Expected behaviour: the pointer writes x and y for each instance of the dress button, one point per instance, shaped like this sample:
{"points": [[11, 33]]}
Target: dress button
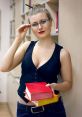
{"points": [[35, 75]]}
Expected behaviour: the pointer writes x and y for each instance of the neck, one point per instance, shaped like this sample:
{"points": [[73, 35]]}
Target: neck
{"points": [[47, 42]]}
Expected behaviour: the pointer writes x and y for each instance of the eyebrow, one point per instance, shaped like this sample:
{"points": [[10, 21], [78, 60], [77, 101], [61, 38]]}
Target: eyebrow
{"points": [[40, 20]]}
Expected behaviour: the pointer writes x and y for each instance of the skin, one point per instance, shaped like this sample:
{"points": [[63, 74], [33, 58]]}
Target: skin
{"points": [[45, 47]]}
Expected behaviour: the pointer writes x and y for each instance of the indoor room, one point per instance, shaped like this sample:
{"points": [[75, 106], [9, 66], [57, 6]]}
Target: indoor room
{"points": [[65, 29]]}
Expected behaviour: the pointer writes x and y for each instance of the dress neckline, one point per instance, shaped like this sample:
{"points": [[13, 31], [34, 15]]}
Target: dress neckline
{"points": [[50, 58]]}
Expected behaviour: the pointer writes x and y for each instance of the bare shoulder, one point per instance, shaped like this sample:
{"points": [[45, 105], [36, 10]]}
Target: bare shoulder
{"points": [[64, 55], [25, 45], [21, 50]]}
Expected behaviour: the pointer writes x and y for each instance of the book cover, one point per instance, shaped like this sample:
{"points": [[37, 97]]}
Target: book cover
{"points": [[46, 101], [38, 91]]}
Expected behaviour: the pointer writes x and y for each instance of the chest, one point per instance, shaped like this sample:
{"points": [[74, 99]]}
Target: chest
{"points": [[44, 60], [40, 56]]}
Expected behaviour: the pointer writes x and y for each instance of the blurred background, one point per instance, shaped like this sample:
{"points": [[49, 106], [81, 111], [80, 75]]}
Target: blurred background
{"points": [[66, 30]]}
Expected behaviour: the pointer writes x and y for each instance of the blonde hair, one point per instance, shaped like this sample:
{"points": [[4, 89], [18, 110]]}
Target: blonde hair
{"points": [[39, 8]]}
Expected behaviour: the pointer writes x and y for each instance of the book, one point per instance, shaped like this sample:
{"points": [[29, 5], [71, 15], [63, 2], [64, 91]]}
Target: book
{"points": [[43, 102], [38, 91]]}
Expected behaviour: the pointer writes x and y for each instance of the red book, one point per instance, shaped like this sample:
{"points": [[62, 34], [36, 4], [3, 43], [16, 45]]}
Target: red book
{"points": [[38, 91]]}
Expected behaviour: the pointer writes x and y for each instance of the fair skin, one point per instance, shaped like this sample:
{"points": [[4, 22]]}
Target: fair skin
{"points": [[45, 47]]}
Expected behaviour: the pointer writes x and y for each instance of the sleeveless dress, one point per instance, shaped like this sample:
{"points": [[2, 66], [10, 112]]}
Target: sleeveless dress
{"points": [[48, 72]]}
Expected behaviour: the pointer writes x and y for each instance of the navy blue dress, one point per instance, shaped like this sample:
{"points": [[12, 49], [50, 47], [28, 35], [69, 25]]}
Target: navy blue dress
{"points": [[48, 72]]}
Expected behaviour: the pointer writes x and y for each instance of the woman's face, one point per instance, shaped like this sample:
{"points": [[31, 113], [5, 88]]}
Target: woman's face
{"points": [[41, 25]]}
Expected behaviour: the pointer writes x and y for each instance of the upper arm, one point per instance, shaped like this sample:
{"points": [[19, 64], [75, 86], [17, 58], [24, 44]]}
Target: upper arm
{"points": [[19, 55], [66, 66]]}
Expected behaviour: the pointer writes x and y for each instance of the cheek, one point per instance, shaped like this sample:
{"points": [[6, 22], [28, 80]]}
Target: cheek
{"points": [[34, 31], [48, 28]]}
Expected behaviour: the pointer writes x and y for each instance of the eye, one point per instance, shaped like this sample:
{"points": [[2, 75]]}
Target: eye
{"points": [[43, 21], [35, 24]]}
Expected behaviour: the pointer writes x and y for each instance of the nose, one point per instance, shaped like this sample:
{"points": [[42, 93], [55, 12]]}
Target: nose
{"points": [[39, 26]]}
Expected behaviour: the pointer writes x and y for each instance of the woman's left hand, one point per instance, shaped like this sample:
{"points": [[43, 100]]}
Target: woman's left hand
{"points": [[52, 85]]}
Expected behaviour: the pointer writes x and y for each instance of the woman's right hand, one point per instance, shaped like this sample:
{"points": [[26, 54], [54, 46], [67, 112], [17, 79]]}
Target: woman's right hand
{"points": [[22, 30]]}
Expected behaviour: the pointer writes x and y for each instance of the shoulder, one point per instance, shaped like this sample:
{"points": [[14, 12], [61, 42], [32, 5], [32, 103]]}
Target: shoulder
{"points": [[26, 44], [64, 55], [63, 51]]}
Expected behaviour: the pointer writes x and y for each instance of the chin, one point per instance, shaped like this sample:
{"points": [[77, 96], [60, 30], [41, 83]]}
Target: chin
{"points": [[42, 36]]}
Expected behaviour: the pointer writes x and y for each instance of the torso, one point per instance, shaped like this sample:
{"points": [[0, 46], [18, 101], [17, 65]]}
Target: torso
{"points": [[39, 57], [42, 62]]}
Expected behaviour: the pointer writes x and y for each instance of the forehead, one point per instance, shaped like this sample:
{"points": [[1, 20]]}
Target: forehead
{"points": [[37, 17]]}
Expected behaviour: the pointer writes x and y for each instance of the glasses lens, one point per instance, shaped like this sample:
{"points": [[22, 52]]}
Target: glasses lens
{"points": [[35, 24], [42, 22]]}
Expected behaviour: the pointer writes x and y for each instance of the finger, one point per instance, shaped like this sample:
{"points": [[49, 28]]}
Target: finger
{"points": [[28, 25], [25, 26], [25, 29], [22, 27], [48, 85]]}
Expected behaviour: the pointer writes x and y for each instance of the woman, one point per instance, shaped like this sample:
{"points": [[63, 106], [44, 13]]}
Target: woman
{"points": [[42, 60]]}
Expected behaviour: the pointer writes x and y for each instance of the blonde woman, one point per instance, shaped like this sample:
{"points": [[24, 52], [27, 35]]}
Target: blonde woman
{"points": [[41, 60]]}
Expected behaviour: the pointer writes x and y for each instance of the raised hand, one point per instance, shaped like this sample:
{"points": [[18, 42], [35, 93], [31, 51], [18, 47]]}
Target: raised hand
{"points": [[22, 30]]}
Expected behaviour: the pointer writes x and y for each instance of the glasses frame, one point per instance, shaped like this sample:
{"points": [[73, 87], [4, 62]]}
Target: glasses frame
{"points": [[42, 22]]}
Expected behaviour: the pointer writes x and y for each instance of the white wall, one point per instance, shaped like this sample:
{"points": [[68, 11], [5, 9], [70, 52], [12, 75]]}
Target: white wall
{"points": [[5, 25], [70, 36]]}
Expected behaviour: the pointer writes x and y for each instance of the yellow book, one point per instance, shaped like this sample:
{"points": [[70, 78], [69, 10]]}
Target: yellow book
{"points": [[42, 102]]}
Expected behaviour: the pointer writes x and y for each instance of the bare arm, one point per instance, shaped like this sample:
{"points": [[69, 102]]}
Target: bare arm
{"points": [[66, 73], [15, 53]]}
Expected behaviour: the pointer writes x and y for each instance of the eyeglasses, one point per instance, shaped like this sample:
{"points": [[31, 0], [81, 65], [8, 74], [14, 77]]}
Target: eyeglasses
{"points": [[41, 22]]}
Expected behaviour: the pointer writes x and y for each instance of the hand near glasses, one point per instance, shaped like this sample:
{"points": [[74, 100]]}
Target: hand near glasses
{"points": [[22, 30]]}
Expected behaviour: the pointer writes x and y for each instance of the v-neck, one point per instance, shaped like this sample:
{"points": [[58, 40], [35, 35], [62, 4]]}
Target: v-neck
{"points": [[46, 61]]}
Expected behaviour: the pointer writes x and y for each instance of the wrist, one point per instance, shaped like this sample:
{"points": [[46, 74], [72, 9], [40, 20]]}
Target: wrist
{"points": [[54, 86], [18, 39]]}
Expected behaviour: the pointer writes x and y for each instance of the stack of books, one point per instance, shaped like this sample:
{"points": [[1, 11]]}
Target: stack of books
{"points": [[40, 94]]}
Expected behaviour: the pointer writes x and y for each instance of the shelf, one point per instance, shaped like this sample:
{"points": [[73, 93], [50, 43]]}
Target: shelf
{"points": [[44, 1], [55, 38], [39, 2], [54, 34], [53, 1]]}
